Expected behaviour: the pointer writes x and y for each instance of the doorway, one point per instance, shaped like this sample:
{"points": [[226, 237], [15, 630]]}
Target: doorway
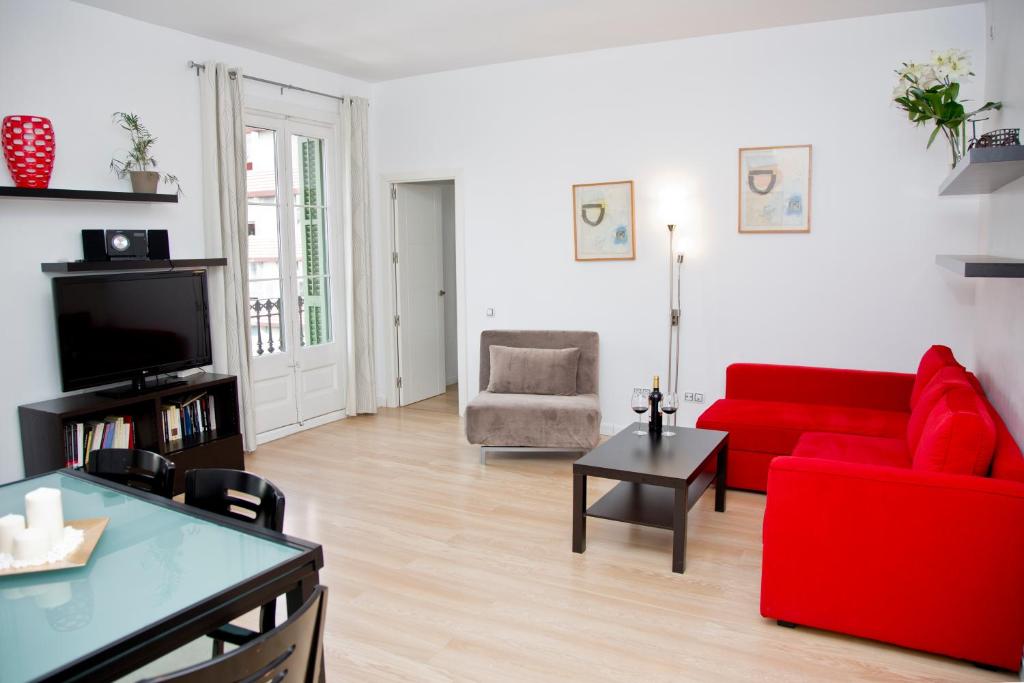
{"points": [[425, 282], [295, 315]]}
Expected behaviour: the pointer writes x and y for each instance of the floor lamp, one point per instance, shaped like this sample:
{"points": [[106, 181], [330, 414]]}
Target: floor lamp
{"points": [[675, 271]]}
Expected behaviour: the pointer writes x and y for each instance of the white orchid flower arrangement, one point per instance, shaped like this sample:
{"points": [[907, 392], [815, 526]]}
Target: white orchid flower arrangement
{"points": [[930, 91]]}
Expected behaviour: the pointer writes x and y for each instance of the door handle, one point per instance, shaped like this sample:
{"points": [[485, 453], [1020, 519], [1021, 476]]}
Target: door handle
{"points": [[441, 293]]}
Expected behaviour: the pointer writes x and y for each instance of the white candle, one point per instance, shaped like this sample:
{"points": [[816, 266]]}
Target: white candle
{"points": [[31, 545], [9, 525], [43, 511]]}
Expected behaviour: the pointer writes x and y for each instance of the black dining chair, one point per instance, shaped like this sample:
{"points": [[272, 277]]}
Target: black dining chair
{"points": [[134, 467], [290, 653], [215, 490]]}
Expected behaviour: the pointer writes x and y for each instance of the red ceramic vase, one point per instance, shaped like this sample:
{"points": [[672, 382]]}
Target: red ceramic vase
{"points": [[29, 149]]}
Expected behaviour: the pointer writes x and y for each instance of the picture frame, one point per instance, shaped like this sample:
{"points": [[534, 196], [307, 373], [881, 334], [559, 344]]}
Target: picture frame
{"points": [[774, 193], [604, 221]]}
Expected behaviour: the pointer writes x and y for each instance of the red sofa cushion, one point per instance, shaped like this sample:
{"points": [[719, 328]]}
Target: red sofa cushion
{"points": [[946, 379], [827, 386], [959, 436], [933, 360], [1008, 461], [775, 427], [865, 450]]}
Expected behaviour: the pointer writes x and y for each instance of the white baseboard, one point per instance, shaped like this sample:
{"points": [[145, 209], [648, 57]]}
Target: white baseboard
{"points": [[288, 430], [608, 428]]}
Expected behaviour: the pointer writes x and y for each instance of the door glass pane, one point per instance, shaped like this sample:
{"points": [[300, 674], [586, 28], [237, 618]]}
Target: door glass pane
{"points": [[312, 266], [264, 243], [314, 311]]}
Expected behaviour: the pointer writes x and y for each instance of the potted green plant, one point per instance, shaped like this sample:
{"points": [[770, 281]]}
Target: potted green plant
{"points": [[139, 163], [930, 91]]}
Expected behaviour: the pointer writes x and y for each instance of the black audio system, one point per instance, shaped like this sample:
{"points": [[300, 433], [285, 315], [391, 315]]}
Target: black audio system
{"points": [[115, 245]]}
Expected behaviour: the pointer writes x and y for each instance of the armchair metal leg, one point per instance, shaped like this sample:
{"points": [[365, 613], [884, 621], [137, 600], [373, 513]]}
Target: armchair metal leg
{"points": [[526, 449]]}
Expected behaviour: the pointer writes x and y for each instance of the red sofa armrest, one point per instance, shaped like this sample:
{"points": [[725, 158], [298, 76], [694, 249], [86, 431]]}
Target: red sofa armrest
{"points": [[831, 386], [926, 560]]}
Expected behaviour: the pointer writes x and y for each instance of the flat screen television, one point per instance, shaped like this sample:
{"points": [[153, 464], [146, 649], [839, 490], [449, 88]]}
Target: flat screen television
{"points": [[112, 328]]}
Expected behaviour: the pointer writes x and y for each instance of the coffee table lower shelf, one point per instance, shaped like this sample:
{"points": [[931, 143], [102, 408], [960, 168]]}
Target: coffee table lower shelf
{"points": [[632, 503]]}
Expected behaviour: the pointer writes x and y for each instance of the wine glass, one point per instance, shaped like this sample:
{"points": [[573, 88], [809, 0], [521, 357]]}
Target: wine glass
{"points": [[640, 404], [669, 405]]}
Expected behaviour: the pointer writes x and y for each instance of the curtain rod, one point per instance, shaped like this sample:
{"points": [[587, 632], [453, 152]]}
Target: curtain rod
{"points": [[202, 67]]}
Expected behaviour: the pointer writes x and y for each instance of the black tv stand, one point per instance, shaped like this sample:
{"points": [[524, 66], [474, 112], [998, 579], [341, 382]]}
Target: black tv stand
{"points": [[139, 387], [44, 446]]}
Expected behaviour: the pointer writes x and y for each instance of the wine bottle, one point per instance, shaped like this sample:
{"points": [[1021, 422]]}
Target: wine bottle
{"points": [[654, 427]]}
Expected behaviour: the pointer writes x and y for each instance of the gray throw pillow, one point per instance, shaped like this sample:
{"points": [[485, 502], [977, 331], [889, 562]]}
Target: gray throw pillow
{"points": [[533, 371]]}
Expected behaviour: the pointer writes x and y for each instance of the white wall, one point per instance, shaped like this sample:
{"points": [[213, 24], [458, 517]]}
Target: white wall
{"points": [[451, 327], [77, 65], [861, 290], [999, 335]]}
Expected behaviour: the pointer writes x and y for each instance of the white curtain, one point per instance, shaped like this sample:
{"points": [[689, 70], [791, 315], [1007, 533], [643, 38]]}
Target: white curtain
{"points": [[225, 225], [362, 391]]}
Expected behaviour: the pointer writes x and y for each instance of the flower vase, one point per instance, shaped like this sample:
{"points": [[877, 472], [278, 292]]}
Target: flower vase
{"points": [[29, 149]]}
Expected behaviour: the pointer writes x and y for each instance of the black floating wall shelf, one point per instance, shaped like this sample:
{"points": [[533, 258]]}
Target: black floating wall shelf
{"points": [[981, 266], [92, 195], [984, 170], [104, 266]]}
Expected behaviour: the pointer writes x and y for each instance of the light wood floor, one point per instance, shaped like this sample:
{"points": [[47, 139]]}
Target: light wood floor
{"points": [[442, 569]]}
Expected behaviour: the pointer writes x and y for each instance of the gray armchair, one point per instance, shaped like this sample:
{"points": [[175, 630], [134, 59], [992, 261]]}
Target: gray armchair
{"points": [[536, 421]]}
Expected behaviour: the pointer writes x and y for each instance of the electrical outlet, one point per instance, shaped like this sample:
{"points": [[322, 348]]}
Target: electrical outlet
{"points": [[490, 312], [688, 396], [698, 398]]}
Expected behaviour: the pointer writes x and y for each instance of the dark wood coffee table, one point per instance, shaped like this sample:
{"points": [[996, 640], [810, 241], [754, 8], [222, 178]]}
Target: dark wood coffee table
{"points": [[661, 479]]}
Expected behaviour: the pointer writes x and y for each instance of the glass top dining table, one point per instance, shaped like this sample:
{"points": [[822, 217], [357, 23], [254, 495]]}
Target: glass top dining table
{"points": [[156, 563]]}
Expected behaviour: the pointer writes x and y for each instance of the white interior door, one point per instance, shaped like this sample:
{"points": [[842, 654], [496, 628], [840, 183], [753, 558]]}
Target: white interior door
{"points": [[419, 273], [297, 337]]}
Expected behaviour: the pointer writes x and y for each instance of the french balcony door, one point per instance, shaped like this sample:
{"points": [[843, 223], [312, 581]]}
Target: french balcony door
{"points": [[295, 302]]}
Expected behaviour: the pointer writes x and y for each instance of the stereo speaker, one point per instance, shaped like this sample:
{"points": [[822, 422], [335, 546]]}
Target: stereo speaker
{"points": [[159, 245], [94, 245]]}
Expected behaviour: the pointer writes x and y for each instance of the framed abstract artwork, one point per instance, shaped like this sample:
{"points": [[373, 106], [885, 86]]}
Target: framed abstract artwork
{"points": [[602, 221], [775, 189]]}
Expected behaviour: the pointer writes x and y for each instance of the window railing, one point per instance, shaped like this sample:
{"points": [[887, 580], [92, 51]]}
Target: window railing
{"points": [[265, 325]]}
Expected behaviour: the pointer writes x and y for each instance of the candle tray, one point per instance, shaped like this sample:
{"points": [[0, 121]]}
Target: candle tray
{"points": [[79, 557]]}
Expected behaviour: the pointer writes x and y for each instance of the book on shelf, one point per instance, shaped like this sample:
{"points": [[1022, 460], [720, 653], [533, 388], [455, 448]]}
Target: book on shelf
{"points": [[188, 416], [82, 438]]}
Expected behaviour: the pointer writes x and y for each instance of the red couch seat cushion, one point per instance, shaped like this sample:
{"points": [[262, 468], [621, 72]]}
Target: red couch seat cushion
{"points": [[775, 427], [933, 360], [865, 450], [958, 437]]}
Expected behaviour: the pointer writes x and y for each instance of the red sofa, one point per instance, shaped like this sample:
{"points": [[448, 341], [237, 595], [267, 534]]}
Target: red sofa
{"points": [[768, 407], [899, 515]]}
